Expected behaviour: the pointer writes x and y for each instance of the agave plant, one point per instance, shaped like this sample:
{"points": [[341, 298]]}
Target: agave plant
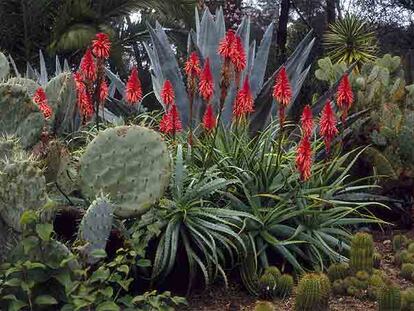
{"points": [[350, 40], [187, 221], [205, 41]]}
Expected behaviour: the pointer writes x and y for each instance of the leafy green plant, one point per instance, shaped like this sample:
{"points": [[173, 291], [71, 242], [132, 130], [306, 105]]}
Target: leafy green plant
{"points": [[350, 40], [188, 221]]}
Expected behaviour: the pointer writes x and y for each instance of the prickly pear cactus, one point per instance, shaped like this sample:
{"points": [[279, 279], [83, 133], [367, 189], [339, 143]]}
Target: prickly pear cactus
{"points": [[19, 115], [313, 293], [130, 164], [4, 67], [8, 147], [96, 226], [61, 95], [30, 85], [362, 252], [22, 187], [389, 298]]}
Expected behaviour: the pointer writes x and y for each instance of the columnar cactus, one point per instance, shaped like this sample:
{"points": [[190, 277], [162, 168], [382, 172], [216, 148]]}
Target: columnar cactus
{"points": [[338, 271], [22, 187], [362, 251], [96, 226], [19, 115], [313, 292], [130, 164], [389, 298], [284, 286]]}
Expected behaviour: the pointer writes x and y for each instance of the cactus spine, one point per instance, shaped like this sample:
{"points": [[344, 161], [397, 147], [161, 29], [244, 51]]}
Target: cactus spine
{"points": [[313, 293], [362, 252], [131, 164], [389, 298]]}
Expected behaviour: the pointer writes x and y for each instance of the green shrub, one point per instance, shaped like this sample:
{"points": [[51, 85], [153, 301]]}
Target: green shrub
{"points": [[362, 251], [313, 292], [407, 270], [389, 298], [338, 271]]}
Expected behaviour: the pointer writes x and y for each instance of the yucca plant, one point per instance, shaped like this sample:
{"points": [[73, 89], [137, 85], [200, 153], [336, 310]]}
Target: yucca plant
{"points": [[187, 221], [350, 40]]}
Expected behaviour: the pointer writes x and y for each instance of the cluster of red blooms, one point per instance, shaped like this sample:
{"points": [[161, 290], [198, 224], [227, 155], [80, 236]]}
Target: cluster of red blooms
{"points": [[282, 93], [40, 99], [91, 67], [170, 122], [327, 127], [133, 89]]}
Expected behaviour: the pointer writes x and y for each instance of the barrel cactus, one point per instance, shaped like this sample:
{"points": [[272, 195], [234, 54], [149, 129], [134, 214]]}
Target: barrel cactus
{"points": [[389, 298], [284, 286], [407, 270], [130, 164], [23, 187], [96, 226], [267, 285], [273, 271], [313, 292], [264, 306], [377, 260], [407, 299], [338, 271], [19, 115], [362, 251]]}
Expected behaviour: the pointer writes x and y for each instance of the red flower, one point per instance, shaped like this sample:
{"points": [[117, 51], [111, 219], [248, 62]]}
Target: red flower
{"points": [[307, 121], [133, 90], [209, 120], [88, 66], [304, 158], [170, 122], [282, 91], [244, 102], [40, 99], [344, 96], [103, 92], [77, 76], [101, 45], [167, 93], [206, 84], [327, 125], [238, 55], [226, 45], [85, 104], [192, 66]]}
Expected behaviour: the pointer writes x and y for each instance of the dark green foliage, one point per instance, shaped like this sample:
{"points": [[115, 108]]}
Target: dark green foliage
{"points": [[389, 298], [362, 251], [407, 270], [338, 271], [313, 292], [284, 285]]}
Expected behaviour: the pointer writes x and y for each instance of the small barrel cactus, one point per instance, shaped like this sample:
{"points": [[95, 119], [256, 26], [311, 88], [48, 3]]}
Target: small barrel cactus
{"points": [[362, 276], [338, 271], [338, 287], [362, 251], [264, 306], [313, 292], [284, 285], [399, 242], [377, 260], [407, 270], [130, 164], [273, 271], [389, 298], [267, 286], [403, 257], [410, 248], [407, 300]]}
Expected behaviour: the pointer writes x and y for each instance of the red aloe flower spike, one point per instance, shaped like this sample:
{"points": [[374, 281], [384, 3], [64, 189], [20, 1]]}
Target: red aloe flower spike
{"points": [[40, 99], [88, 66], [133, 90], [244, 102], [77, 76], [304, 158], [226, 44], [307, 121], [209, 119], [327, 125], [206, 84], [167, 93], [101, 45], [103, 92], [170, 122], [238, 55], [85, 105], [344, 96], [192, 66], [282, 91]]}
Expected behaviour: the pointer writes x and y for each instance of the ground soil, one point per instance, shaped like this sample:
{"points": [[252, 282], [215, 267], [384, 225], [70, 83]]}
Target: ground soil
{"points": [[235, 298]]}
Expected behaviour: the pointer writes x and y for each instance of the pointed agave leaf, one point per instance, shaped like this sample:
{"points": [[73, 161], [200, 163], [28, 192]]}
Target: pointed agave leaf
{"points": [[16, 71], [31, 73], [66, 66], [58, 67], [43, 72], [115, 80]]}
